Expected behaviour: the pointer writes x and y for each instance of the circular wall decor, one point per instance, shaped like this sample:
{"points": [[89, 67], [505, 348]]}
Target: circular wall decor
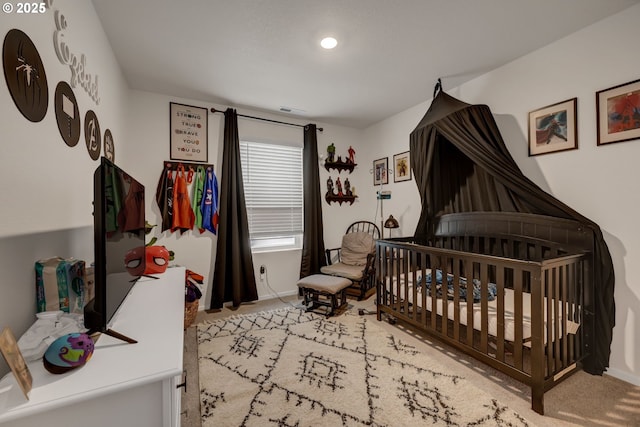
{"points": [[92, 134], [109, 147], [25, 75], [67, 114]]}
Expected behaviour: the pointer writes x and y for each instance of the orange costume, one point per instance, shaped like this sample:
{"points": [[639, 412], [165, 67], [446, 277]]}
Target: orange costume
{"points": [[183, 216]]}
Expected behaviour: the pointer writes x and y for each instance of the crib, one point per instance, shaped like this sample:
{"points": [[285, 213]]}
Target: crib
{"points": [[512, 290]]}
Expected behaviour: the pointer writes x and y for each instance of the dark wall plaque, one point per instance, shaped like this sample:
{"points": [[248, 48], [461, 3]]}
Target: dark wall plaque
{"points": [[25, 75], [92, 134], [67, 114]]}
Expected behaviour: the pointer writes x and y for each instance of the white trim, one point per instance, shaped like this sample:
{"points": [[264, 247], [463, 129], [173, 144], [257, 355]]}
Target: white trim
{"points": [[623, 376]]}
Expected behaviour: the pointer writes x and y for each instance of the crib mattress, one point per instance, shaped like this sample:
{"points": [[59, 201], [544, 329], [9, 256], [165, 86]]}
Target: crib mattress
{"points": [[492, 311]]}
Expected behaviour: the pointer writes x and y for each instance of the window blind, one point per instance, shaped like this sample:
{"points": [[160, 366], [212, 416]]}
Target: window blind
{"points": [[272, 177]]}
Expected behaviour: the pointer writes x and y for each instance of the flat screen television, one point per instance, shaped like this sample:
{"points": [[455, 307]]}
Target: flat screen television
{"points": [[119, 240]]}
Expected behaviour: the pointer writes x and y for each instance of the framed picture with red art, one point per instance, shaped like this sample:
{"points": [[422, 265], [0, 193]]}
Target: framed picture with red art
{"points": [[618, 111]]}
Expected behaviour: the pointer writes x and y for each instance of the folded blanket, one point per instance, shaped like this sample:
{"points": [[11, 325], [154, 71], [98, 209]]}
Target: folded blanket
{"points": [[492, 288]]}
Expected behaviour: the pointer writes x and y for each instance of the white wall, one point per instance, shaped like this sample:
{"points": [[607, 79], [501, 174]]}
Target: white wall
{"points": [[599, 182], [196, 251], [47, 186]]}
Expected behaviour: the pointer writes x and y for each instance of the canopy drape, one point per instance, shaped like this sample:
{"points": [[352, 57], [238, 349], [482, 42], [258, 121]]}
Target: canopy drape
{"points": [[461, 164], [233, 277]]}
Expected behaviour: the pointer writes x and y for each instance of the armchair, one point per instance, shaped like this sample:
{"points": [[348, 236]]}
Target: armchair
{"points": [[354, 259]]}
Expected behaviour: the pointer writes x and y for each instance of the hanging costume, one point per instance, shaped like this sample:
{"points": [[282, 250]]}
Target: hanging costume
{"points": [[209, 205], [164, 198], [131, 216], [113, 194], [198, 189], [183, 216]]}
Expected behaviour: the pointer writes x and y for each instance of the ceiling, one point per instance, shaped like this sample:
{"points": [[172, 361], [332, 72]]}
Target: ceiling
{"points": [[265, 54]]}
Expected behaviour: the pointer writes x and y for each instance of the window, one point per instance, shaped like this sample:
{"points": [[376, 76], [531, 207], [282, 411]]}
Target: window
{"points": [[272, 177]]}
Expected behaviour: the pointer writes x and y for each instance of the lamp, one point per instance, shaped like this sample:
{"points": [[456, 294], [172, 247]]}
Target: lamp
{"points": [[391, 222]]}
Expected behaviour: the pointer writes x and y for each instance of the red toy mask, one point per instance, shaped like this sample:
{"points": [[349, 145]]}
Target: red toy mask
{"points": [[145, 260]]}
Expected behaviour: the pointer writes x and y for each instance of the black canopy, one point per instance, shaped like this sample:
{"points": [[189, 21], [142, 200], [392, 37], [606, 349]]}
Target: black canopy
{"points": [[461, 164]]}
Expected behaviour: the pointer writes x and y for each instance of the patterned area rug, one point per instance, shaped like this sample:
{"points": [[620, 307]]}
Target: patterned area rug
{"points": [[291, 368]]}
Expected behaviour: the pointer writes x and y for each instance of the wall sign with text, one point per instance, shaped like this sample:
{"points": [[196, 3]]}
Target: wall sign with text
{"points": [[189, 133]]}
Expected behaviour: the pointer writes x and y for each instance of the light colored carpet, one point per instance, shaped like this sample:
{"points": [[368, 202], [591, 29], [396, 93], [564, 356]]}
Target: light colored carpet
{"points": [[581, 400], [291, 368]]}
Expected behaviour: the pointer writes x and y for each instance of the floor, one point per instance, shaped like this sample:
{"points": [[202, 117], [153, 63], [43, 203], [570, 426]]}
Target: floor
{"points": [[581, 400]]}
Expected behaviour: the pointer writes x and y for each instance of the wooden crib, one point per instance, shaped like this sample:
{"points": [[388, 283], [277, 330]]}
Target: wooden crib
{"points": [[528, 276]]}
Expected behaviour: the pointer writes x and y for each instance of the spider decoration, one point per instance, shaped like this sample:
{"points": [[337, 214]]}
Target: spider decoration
{"points": [[25, 75]]}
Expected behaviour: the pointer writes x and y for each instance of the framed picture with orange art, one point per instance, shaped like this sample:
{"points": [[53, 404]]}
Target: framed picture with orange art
{"points": [[618, 111], [401, 167]]}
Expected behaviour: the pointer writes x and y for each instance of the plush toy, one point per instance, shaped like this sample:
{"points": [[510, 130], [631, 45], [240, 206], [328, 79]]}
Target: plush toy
{"points": [[68, 352]]}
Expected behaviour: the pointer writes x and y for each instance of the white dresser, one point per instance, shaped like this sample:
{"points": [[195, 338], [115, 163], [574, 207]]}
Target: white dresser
{"points": [[123, 384]]}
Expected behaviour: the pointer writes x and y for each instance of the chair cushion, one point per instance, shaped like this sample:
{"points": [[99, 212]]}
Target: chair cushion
{"points": [[355, 248], [353, 272], [324, 283]]}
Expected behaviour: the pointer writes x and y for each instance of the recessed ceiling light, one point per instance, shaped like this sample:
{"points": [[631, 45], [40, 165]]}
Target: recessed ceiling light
{"points": [[329, 43]]}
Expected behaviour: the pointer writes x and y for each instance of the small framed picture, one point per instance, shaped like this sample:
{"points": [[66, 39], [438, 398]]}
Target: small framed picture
{"points": [[618, 113], [11, 353], [401, 167], [554, 128], [380, 169], [189, 133]]}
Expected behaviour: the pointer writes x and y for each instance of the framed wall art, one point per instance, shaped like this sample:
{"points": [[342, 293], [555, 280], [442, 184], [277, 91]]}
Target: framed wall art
{"points": [[618, 110], [380, 169], [554, 128], [12, 355], [401, 167], [189, 133]]}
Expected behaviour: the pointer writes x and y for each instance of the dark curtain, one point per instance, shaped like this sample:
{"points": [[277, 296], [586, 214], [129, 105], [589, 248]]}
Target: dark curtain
{"points": [[313, 240], [461, 164], [233, 277]]}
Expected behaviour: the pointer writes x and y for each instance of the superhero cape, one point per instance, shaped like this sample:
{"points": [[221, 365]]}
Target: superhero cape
{"points": [[198, 189], [164, 198], [183, 216], [209, 204], [131, 216]]}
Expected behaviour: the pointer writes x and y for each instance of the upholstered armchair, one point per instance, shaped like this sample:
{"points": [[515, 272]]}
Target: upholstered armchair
{"points": [[354, 259]]}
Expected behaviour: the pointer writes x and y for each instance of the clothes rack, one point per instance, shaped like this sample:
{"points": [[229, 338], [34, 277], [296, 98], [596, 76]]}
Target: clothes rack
{"points": [[173, 166]]}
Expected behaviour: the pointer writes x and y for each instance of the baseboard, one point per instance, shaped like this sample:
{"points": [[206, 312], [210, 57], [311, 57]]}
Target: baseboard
{"points": [[624, 376], [280, 294], [201, 307]]}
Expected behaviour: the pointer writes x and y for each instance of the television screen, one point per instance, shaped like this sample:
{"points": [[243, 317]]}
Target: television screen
{"points": [[119, 240]]}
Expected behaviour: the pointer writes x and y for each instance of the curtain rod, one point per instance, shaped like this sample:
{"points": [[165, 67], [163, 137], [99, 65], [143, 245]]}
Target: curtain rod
{"points": [[213, 110]]}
